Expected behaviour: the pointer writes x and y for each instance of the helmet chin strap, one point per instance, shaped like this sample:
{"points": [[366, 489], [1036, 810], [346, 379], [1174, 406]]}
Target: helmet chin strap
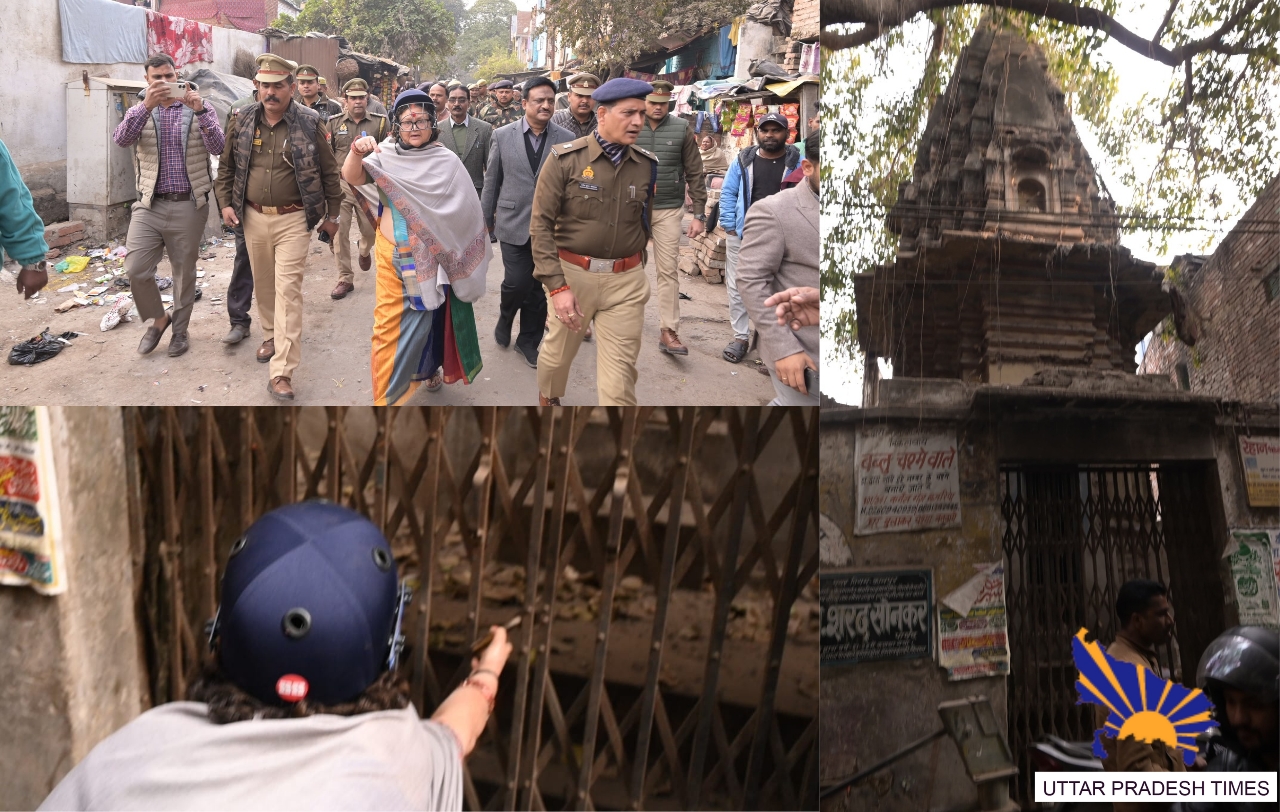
{"points": [[397, 637]]}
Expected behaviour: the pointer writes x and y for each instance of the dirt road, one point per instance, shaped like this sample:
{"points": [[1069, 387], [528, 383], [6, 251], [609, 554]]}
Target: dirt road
{"points": [[105, 368]]}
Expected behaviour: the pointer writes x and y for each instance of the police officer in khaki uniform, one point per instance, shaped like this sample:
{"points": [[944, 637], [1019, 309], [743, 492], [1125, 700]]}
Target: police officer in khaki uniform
{"points": [[589, 228], [343, 130], [279, 178], [579, 117], [504, 109], [310, 95]]}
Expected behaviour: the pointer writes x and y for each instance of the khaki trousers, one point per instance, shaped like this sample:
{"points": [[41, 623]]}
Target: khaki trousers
{"points": [[351, 211], [666, 251], [278, 245], [175, 226], [616, 302]]}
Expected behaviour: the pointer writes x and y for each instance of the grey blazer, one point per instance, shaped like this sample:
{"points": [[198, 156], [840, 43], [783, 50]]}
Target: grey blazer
{"points": [[508, 184], [474, 150], [780, 245]]}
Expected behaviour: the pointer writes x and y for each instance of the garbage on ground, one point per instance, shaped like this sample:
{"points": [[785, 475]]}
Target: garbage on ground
{"points": [[121, 282], [119, 312], [72, 265], [65, 306], [70, 288], [40, 348], [98, 291], [119, 252], [164, 282], [166, 297]]}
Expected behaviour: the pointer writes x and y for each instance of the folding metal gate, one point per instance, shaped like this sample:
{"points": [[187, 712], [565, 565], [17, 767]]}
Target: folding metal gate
{"points": [[705, 507], [1072, 536]]}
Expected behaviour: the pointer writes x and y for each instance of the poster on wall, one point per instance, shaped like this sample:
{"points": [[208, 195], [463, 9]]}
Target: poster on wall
{"points": [[907, 480], [1260, 458], [870, 615], [30, 536], [1253, 577], [973, 630]]}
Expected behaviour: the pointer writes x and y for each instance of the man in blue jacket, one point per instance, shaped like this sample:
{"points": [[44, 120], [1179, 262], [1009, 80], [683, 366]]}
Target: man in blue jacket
{"points": [[756, 174], [21, 230]]}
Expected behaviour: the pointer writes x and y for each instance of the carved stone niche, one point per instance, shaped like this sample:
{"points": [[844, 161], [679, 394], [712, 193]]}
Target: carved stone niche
{"points": [[1032, 186]]}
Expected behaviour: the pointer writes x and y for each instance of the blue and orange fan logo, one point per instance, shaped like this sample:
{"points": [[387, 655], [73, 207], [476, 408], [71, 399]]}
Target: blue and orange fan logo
{"points": [[1141, 704]]}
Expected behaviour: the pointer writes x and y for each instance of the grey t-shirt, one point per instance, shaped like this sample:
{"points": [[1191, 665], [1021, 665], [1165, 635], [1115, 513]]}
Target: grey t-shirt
{"points": [[173, 757]]}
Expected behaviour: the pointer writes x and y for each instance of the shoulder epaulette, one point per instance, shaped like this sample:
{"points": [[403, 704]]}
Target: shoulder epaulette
{"points": [[646, 153], [567, 147]]}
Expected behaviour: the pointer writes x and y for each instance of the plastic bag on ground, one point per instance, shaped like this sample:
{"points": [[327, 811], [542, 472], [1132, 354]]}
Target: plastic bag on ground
{"points": [[41, 348], [72, 265]]}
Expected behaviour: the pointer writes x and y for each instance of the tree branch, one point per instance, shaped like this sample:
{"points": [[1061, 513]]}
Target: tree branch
{"points": [[1168, 15], [887, 14], [833, 41]]}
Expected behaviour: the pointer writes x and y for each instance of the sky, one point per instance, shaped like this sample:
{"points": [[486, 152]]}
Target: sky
{"points": [[1137, 76]]}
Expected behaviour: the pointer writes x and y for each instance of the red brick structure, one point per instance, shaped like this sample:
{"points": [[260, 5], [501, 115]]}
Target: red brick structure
{"points": [[1224, 339], [805, 20]]}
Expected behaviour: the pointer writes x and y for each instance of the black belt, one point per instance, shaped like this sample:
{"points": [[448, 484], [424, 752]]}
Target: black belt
{"points": [[172, 196]]}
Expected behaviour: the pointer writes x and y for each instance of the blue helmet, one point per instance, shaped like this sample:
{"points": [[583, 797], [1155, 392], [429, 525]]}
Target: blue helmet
{"points": [[310, 606]]}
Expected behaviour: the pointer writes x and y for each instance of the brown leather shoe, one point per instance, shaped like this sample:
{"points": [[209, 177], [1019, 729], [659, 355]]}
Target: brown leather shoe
{"points": [[365, 262], [151, 338], [587, 336], [178, 344], [267, 350], [342, 289], [546, 401], [280, 388], [669, 343]]}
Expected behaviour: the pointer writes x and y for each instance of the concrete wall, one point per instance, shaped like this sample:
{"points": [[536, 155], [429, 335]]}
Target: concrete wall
{"points": [[33, 110], [1237, 352], [71, 669], [871, 710]]}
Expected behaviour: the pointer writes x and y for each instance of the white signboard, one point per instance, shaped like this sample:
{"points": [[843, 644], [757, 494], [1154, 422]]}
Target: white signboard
{"points": [[907, 480]]}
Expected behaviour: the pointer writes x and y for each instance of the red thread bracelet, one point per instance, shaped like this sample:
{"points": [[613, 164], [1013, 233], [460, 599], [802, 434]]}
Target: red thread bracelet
{"points": [[560, 289]]}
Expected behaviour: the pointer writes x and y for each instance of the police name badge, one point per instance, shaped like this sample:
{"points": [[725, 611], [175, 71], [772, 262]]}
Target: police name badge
{"points": [[589, 187]]}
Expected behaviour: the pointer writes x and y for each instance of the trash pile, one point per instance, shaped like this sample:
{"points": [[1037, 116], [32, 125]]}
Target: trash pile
{"points": [[96, 278]]}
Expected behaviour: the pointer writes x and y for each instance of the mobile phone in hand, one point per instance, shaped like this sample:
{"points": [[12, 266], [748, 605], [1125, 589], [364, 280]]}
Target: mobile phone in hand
{"points": [[811, 381], [176, 89]]}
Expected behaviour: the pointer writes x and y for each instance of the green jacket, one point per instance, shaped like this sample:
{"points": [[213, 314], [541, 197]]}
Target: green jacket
{"points": [[679, 162], [21, 229]]}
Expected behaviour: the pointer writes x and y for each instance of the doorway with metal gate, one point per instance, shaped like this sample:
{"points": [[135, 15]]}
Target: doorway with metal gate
{"points": [[662, 561], [1073, 534]]}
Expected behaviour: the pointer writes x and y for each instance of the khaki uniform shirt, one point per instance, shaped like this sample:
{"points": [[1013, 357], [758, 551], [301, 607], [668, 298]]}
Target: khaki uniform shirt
{"points": [[344, 130], [586, 205], [271, 180], [1131, 755]]}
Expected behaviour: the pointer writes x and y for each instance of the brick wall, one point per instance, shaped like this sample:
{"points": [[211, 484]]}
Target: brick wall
{"points": [[805, 23], [1237, 352]]}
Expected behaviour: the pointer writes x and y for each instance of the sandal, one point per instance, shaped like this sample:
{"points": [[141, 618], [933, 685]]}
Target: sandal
{"points": [[736, 351], [436, 381]]}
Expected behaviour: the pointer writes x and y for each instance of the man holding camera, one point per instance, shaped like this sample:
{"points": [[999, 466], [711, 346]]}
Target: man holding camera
{"points": [[175, 133]]}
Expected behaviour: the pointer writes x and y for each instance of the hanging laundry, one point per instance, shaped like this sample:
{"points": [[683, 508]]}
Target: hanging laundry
{"points": [[728, 52], [187, 41], [102, 31], [809, 59]]}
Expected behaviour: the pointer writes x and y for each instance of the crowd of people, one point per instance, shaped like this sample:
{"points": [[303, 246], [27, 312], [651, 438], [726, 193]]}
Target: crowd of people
{"points": [[574, 198]]}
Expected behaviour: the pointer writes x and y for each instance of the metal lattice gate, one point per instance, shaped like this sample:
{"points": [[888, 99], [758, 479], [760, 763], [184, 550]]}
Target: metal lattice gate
{"points": [[704, 697], [1072, 536]]}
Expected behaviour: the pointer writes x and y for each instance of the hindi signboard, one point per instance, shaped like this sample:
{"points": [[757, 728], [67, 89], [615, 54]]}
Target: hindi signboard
{"points": [[1253, 576], [1260, 457], [973, 639], [870, 615], [907, 480]]}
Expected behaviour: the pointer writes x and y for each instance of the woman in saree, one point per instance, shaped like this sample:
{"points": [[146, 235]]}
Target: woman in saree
{"points": [[431, 251]]}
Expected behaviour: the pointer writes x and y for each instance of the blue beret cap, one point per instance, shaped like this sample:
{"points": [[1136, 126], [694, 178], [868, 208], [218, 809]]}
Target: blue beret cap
{"points": [[621, 88], [501, 84]]}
